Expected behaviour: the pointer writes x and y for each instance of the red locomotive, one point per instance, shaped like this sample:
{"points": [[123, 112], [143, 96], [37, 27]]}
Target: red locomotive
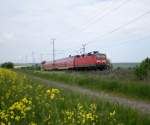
{"points": [[93, 60]]}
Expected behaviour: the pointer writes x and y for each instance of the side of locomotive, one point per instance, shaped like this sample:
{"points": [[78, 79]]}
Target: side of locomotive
{"points": [[93, 60]]}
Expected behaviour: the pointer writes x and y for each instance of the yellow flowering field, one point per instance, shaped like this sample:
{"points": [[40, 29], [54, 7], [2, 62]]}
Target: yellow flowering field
{"points": [[27, 102]]}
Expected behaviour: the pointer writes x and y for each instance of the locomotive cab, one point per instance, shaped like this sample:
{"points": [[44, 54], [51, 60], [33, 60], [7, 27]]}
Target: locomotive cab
{"points": [[100, 56], [101, 60]]}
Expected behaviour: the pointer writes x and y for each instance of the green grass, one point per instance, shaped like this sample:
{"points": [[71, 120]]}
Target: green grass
{"points": [[129, 88], [44, 110], [124, 65]]}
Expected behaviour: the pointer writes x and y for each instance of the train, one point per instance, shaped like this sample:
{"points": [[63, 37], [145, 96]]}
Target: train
{"points": [[90, 61]]}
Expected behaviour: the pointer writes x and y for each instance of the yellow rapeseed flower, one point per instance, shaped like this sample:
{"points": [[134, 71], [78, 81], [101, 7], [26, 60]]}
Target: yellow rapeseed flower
{"points": [[25, 100], [17, 118], [52, 93], [2, 123], [17, 111]]}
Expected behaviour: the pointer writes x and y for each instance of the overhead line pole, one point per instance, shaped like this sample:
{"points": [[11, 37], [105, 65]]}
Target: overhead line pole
{"points": [[33, 58], [53, 40], [83, 47], [41, 57]]}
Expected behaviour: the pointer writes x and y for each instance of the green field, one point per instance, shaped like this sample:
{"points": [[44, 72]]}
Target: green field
{"points": [[30, 102], [124, 65]]}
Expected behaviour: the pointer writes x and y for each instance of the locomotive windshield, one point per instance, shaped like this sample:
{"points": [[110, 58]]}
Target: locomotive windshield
{"points": [[100, 56]]}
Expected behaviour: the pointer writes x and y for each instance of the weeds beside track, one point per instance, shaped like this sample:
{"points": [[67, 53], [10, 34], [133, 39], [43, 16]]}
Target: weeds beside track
{"points": [[133, 89]]}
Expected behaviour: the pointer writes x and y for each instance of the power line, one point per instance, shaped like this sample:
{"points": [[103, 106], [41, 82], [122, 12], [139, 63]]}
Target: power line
{"points": [[110, 46], [106, 14], [92, 17], [121, 26], [98, 18], [125, 42]]}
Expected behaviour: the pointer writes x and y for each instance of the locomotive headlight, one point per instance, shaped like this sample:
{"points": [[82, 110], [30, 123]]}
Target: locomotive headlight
{"points": [[101, 61], [98, 61]]}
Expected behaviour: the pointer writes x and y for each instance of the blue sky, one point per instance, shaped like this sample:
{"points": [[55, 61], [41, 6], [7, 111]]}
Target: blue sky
{"points": [[27, 27]]}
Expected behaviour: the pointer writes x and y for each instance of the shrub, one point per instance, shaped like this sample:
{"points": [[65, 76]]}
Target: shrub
{"points": [[143, 69]]}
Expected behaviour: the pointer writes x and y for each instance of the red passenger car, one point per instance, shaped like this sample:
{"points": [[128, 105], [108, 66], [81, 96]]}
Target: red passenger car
{"points": [[93, 60]]}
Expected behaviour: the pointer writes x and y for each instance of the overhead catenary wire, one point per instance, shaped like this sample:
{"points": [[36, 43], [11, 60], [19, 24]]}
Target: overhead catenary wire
{"points": [[92, 17], [98, 17], [105, 14], [121, 26], [126, 42], [109, 46], [117, 44], [112, 10]]}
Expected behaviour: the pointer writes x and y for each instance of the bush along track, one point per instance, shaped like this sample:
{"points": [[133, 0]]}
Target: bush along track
{"points": [[29, 102]]}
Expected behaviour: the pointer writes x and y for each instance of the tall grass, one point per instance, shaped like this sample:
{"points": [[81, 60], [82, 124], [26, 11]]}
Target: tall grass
{"points": [[133, 89]]}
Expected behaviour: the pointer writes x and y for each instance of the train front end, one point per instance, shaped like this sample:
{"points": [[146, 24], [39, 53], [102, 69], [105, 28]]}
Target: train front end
{"points": [[101, 61]]}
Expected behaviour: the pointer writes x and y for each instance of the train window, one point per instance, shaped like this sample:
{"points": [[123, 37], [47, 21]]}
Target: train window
{"points": [[100, 56]]}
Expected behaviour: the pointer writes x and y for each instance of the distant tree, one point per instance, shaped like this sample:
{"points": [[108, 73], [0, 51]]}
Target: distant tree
{"points": [[146, 63], [8, 65], [141, 72], [143, 69]]}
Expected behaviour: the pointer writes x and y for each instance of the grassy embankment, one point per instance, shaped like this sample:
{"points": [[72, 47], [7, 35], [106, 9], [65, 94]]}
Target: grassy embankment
{"points": [[28, 102], [123, 87]]}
